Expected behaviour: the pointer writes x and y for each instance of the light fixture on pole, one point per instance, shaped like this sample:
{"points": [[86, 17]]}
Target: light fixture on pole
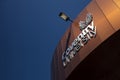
{"points": [[64, 17]]}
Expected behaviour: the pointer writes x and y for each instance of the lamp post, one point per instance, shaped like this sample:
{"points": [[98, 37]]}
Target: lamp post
{"points": [[64, 17]]}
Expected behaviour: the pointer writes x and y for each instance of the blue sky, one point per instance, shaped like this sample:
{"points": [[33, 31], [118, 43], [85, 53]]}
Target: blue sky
{"points": [[29, 32]]}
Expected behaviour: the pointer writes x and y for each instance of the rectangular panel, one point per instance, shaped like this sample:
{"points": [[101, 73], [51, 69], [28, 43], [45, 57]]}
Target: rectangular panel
{"points": [[111, 11]]}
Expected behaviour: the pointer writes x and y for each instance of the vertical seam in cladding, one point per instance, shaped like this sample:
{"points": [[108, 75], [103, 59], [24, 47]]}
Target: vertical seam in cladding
{"points": [[116, 4], [105, 15]]}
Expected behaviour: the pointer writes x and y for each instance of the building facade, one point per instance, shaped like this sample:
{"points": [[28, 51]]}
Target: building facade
{"points": [[90, 48]]}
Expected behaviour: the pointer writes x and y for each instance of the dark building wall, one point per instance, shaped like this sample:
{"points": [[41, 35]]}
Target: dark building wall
{"points": [[103, 63], [106, 16]]}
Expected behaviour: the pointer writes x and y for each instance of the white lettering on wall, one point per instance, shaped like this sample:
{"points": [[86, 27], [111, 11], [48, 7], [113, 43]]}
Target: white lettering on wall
{"points": [[88, 32]]}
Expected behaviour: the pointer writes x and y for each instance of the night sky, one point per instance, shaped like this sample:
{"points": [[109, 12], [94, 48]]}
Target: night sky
{"points": [[29, 33]]}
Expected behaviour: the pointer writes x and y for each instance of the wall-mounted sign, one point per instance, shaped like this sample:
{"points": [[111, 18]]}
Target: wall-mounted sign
{"points": [[88, 31]]}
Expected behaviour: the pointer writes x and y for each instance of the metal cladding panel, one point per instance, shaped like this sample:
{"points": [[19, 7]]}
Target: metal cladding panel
{"points": [[112, 14], [106, 17], [117, 2]]}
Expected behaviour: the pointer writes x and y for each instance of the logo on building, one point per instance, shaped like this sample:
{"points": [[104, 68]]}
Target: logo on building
{"points": [[88, 31]]}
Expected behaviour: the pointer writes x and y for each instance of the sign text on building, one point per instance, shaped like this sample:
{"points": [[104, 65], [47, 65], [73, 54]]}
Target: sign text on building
{"points": [[88, 31]]}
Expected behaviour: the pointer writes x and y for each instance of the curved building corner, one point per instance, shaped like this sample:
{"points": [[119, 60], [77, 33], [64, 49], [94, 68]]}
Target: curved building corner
{"points": [[90, 48]]}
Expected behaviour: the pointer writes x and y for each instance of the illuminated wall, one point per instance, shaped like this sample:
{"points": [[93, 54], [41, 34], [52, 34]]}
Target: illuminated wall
{"points": [[106, 17]]}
